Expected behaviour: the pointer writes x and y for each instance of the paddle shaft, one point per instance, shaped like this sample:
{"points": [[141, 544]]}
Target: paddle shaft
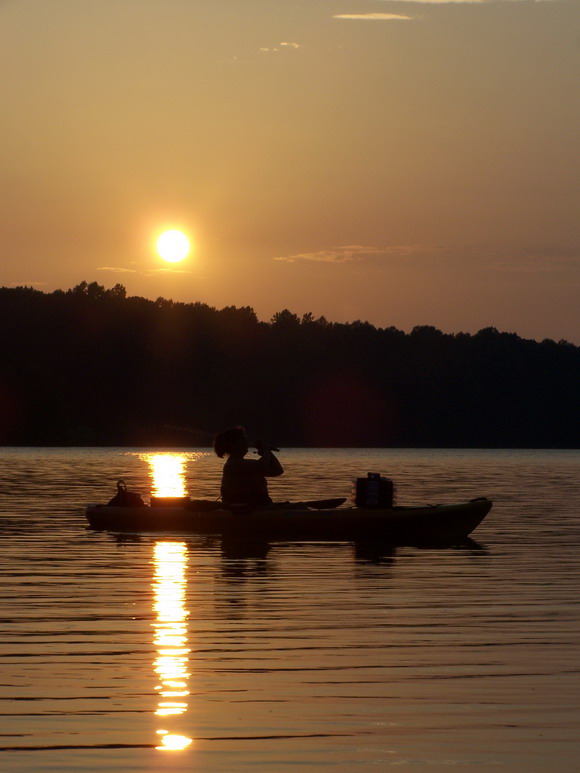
{"points": [[210, 436]]}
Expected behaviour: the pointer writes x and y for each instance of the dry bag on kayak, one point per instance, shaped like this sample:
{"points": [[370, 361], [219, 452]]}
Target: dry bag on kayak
{"points": [[374, 491], [124, 498]]}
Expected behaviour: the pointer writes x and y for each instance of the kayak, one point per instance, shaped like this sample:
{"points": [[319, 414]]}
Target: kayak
{"points": [[302, 521]]}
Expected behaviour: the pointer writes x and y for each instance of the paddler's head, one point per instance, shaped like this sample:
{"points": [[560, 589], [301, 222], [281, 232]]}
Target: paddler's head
{"points": [[232, 442]]}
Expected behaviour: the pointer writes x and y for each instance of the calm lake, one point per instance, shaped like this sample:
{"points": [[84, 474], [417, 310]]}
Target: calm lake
{"points": [[176, 653]]}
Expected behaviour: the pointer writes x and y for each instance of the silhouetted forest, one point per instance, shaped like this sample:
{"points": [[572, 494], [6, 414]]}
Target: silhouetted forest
{"points": [[91, 366]]}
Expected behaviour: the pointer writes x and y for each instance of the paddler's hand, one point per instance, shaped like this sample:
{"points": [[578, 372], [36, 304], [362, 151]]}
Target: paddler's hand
{"points": [[262, 447]]}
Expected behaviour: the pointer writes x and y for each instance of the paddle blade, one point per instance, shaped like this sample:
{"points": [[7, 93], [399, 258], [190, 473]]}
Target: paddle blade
{"points": [[325, 504]]}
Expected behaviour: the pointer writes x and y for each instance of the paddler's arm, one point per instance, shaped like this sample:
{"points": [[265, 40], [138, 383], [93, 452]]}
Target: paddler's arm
{"points": [[270, 465]]}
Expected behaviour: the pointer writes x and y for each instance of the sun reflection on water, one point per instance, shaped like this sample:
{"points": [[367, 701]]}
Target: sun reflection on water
{"points": [[170, 639], [168, 474], [171, 742]]}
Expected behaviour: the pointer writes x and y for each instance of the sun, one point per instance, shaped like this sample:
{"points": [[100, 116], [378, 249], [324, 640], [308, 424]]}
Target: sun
{"points": [[173, 246]]}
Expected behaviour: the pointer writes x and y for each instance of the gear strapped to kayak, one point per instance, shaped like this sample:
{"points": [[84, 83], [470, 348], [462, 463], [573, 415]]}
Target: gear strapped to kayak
{"points": [[374, 517], [124, 498]]}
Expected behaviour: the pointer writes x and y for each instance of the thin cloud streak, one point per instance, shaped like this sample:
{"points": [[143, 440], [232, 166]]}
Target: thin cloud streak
{"points": [[351, 253], [117, 270], [148, 272], [372, 16], [507, 260], [284, 46], [470, 2], [457, 2], [26, 284], [168, 270]]}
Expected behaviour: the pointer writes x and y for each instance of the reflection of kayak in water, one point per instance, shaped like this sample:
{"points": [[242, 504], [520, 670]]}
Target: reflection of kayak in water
{"points": [[323, 520]]}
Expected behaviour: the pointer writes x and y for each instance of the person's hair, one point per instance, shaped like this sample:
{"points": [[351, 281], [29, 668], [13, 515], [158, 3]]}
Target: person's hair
{"points": [[225, 440]]}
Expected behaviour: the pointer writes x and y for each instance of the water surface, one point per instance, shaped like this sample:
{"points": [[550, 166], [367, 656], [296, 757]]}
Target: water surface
{"points": [[180, 653]]}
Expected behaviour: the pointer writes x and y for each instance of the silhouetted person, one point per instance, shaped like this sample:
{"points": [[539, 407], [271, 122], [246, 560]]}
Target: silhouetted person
{"points": [[244, 480]]}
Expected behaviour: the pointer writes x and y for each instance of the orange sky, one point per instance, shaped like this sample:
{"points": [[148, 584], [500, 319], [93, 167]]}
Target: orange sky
{"points": [[403, 163]]}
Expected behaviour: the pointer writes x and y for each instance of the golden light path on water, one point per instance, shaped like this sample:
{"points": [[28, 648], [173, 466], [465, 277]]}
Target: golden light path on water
{"points": [[168, 474], [170, 639], [169, 586]]}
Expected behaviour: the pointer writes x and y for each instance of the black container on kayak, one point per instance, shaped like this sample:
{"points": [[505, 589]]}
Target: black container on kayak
{"points": [[373, 491]]}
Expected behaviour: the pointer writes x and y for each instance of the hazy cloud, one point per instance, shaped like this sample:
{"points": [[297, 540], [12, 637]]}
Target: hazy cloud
{"points": [[337, 255], [373, 16], [117, 269], [446, 2], [495, 259], [378, 16], [167, 270], [26, 284], [283, 46], [351, 253], [539, 261], [381, 16]]}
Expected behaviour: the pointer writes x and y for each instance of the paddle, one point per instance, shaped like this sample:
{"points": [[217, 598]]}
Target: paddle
{"points": [[315, 504], [208, 437], [201, 434], [321, 504]]}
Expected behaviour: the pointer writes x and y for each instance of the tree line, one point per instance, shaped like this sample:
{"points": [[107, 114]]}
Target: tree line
{"points": [[92, 366]]}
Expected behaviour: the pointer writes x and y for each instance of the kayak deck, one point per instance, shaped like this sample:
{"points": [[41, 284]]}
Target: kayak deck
{"points": [[400, 525]]}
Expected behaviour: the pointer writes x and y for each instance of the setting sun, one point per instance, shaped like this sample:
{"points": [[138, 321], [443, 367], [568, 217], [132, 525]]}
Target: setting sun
{"points": [[173, 246]]}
